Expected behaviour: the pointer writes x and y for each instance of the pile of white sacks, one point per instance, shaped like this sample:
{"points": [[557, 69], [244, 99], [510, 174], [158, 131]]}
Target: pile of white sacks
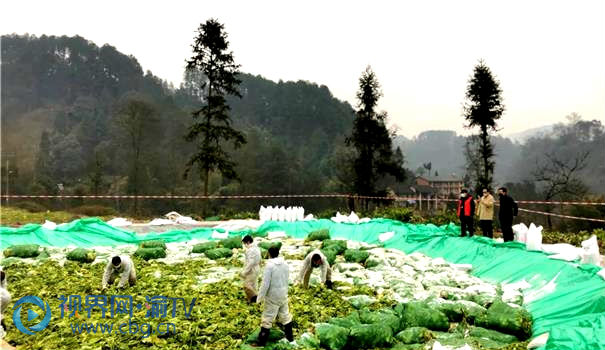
{"points": [[350, 219], [288, 214], [532, 237], [172, 218]]}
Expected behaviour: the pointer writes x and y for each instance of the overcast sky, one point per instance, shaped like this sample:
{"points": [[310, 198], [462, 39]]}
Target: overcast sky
{"points": [[548, 55]]}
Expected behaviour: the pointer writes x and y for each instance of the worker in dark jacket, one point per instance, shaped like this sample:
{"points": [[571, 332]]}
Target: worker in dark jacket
{"points": [[466, 210], [508, 209]]}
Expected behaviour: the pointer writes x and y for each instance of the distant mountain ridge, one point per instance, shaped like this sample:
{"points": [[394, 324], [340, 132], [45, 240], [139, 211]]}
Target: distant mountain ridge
{"points": [[523, 136]]}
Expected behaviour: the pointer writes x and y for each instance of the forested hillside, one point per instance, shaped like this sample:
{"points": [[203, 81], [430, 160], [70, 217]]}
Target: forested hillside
{"points": [[60, 125], [62, 99]]}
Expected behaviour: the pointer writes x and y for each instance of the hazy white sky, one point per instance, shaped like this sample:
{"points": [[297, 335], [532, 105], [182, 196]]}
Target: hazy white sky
{"points": [[548, 55]]}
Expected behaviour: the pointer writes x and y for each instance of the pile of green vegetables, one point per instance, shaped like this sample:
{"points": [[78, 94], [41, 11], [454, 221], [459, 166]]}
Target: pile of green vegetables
{"points": [[222, 319], [414, 325]]}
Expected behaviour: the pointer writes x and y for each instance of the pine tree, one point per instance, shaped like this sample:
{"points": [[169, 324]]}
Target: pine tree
{"points": [[483, 109], [372, 140], [212, 124]]}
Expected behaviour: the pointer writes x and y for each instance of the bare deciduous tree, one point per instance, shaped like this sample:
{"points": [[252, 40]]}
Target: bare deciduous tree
{"points": [[558, 178]]}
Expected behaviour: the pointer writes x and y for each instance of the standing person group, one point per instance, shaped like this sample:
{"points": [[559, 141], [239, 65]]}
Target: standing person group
{"points": [[483, 207]]}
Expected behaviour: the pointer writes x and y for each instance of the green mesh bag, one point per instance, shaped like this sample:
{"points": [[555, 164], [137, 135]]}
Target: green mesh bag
{"points": [[233, 242], [507, 319], [153, 244], [415, 335], [203, 247], [82, 255], [218, 253], [332, 337], [356, 255], [369, 336], [22, 251], [337, 245], [420, 314], [319, 235], [150, 253]]}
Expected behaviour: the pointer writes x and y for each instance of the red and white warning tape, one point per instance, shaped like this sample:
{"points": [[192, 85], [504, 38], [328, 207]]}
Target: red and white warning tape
{"points": [[561, 215], [335, 195]]}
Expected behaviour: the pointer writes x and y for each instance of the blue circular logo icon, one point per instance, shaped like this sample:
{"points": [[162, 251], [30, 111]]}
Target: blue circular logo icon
{"points": [[31, 315]]}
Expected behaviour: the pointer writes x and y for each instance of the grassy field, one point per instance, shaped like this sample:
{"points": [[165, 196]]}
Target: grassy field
{"points": [[10, 216]]}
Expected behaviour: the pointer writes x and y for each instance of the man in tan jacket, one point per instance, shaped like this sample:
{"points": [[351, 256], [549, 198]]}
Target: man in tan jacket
{"points": [[485, 211]]}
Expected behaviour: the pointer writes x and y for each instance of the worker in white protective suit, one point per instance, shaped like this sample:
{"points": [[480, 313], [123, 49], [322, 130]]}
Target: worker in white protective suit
{"points": [[274, 293], [5, 297], [313, 260], [251, 269], [122, 267]]}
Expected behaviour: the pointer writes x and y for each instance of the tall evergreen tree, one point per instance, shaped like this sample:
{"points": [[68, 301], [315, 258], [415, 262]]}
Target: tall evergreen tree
{"points": [[372, 140], [212, 124], [483, 109]]}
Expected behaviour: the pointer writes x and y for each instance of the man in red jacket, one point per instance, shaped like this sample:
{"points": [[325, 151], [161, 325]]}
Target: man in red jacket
{"points": [[466, 210]]}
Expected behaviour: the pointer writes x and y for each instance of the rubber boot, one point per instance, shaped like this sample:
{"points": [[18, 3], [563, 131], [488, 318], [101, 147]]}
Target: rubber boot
{"points": [[263, 336], [288, 331]]}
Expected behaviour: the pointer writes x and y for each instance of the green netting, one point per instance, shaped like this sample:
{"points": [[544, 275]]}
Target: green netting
{"points": [[92, 232], [565, 299]]}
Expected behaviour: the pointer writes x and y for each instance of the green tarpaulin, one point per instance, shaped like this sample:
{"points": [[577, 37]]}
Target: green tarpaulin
{"points": [[93, 232], [565, 299]]}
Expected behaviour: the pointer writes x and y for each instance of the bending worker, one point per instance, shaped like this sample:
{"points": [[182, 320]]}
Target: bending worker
{"points": [[5, 297], [123, 267], [251, 268], [274, 293], [313, 260]]}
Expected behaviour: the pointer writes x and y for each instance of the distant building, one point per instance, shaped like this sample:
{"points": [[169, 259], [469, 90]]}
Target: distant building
{"points": [[443, 186]]}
